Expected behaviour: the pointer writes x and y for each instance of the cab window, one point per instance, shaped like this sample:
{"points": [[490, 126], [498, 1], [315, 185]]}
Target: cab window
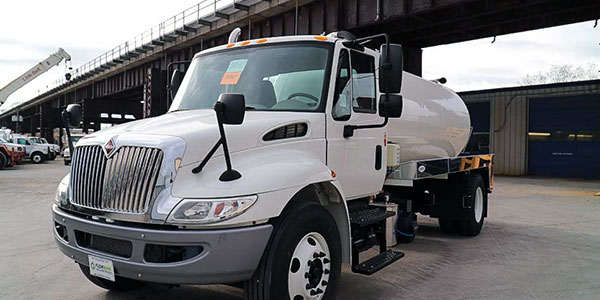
{"points": [[23, 142], [363, 80], [343, 89]]}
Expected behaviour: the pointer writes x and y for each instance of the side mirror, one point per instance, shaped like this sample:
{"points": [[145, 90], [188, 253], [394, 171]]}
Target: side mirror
{"points": [[390, 106], [390, 68], [74, 114], [232, 108], [175, 83]]}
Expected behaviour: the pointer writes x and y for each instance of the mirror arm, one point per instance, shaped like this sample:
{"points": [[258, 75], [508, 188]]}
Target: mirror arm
{"points": [[229, 174], [212, 151], [349, 129], [386, 64], [65, 119]]}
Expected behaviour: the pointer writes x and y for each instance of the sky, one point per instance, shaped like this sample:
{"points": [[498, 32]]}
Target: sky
{"points": [[32, 30], [479, 64]]}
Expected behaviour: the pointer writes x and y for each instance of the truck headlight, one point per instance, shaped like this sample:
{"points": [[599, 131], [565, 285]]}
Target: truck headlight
{"points": [[62, 192], [209, 211]]}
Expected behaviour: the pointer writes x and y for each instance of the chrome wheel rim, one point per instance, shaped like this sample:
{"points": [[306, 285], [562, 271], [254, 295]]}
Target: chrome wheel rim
{"points": [[309, 269], [478, 204], [37, 158]]}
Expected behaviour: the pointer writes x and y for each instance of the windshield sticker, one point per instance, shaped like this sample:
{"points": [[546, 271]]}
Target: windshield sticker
{"points": [[234, 71]]}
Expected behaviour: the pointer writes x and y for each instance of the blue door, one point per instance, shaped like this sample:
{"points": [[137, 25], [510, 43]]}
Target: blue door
{"points": [[564, 137], [479, 142]]}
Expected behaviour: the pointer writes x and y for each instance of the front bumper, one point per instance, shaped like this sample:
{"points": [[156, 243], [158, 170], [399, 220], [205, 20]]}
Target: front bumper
{"points": [[229, 255]]}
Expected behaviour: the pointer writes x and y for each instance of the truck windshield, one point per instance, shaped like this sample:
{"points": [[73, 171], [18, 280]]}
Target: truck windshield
{"points": [[284, 77]]}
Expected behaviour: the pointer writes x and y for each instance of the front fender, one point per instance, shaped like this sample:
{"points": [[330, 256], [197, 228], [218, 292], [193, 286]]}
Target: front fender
{"points": [[274, 173]]}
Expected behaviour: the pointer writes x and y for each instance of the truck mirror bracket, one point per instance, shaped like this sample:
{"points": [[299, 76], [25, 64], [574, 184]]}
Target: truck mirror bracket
{"points": [[349, 129], [230, 174]]}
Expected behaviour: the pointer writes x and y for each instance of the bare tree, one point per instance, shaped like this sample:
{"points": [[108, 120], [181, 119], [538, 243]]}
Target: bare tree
{"points": [[562, 73]]}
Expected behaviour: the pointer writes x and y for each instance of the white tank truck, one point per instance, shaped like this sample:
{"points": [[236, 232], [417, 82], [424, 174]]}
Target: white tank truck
{"points": [[317, 149]]}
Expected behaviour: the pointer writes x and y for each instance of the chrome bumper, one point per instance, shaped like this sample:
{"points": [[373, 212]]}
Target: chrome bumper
{"points": [[228, 255]]}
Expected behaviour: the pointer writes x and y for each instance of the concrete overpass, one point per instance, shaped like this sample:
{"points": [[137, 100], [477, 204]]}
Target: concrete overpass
{"points": [[130, 79]]}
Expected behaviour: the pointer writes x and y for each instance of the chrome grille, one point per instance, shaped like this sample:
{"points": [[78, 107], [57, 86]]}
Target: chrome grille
{"points": [[123, 183]]}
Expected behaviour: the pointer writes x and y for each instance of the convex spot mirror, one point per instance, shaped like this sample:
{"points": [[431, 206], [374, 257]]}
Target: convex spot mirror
{"points": [[390, 68], [74, 114], [232, 108], [390, 106]]}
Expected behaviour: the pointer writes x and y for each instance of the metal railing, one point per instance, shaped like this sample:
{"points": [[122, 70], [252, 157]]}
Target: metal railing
{"points": [[167, 31]]}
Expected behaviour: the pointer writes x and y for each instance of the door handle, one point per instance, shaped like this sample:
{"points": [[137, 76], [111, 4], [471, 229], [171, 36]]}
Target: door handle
{"points": [[378, 153]]}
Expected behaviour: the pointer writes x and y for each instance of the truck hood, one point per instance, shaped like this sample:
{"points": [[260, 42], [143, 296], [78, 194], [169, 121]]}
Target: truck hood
{"points": [[199, 130]]}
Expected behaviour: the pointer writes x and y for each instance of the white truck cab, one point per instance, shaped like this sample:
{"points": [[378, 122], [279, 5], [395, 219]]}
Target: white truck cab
{"points": [[317, 149]]}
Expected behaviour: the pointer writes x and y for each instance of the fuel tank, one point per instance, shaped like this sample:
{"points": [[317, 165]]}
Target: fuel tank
{"points": [[435, 122]]}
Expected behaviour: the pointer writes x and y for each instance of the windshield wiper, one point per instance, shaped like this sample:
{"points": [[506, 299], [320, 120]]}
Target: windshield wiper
{"points": [[250, 108]]}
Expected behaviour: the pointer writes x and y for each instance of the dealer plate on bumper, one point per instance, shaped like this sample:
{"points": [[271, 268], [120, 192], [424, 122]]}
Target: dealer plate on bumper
{"points": [[101, 267]]}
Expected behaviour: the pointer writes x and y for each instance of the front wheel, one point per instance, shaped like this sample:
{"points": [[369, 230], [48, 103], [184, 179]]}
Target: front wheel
{"points": [[120, 284], [37, 158], [303, 258]]}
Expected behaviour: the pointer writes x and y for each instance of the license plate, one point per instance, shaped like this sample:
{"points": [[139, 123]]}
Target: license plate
{"points": [[102, 268]]}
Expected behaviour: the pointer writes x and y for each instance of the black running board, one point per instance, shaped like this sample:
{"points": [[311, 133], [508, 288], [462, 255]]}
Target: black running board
{"points": [[376, 263]]}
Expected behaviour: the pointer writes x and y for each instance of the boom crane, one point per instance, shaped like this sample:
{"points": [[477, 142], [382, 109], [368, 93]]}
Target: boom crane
{"points": [[39, 69]]}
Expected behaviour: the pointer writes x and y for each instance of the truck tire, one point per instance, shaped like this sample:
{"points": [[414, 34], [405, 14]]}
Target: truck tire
{"points": [[3, 161], [302, 259], [37, 158], [120, 284], [448, 226], [472, 223]]}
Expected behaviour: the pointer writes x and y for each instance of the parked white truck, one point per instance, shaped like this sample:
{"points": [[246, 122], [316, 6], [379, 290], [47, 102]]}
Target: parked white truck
{"points": [[34, 151], [314, 145]]}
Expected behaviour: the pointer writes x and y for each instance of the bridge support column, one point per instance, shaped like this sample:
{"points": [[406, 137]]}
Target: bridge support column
{"points": [[413, 60]]}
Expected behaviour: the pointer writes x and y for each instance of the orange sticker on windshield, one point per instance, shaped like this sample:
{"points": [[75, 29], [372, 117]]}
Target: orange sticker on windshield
{"points": [[231, 78]]}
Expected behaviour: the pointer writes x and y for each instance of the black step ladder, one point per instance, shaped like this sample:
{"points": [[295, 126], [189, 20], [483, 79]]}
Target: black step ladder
{"points": [[374, 217]]}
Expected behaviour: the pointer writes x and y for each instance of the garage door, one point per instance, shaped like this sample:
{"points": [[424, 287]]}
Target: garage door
{"points": [[564, 137]]}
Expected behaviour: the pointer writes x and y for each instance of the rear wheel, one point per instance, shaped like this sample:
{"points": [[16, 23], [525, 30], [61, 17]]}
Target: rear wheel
{"points": [[472, 223], [120, 283], [448, 225], [37, 158], [303, 258]]}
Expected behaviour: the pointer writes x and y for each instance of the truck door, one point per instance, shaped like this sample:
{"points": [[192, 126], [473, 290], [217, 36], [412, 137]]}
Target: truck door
{"points": [[356, 160], [26, 144]]}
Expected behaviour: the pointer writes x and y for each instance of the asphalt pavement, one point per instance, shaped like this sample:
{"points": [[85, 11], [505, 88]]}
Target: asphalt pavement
{"points": [[540, 241]]}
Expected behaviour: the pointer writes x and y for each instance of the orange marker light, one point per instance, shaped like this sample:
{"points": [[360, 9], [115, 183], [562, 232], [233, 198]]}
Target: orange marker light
{"points": [[230, 45], [320, 38], [333, 174], [261, 41], [244, 43]]}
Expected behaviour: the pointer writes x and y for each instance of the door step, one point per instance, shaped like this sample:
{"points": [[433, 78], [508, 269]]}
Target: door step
{"points": [[376, 263], [369, 216]]}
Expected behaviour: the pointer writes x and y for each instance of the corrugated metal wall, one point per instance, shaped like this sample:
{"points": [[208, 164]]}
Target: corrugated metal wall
{"points": [[509, 121]]}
